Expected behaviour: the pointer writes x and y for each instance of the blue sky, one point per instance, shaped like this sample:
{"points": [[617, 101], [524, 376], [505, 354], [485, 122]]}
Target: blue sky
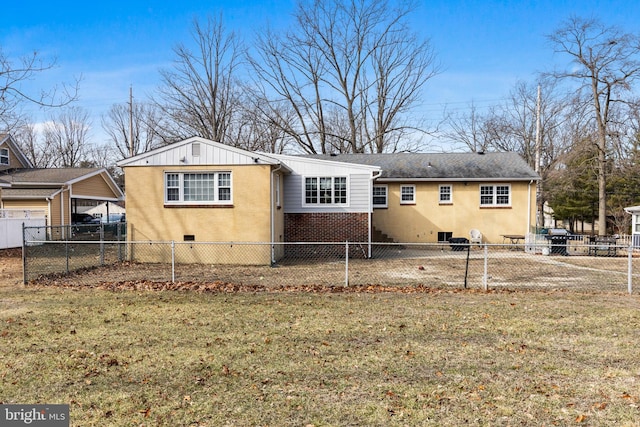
{"points": [[484, 47]]}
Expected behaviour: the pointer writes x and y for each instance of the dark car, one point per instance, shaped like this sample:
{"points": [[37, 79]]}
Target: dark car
{"points": [[84, 218]]}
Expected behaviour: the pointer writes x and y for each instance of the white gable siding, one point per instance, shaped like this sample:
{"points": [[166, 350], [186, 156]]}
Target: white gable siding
{"points": [[182, 155]]}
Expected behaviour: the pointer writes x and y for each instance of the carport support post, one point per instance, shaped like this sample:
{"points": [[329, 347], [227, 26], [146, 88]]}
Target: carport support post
{"points": [[346, 263], [630, 269]]}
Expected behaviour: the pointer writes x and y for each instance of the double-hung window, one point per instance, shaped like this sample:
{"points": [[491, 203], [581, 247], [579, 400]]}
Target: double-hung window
{"points": [[325, 190], [407, 194], [446, 195], [495, 195], [4, 156], [380, 196], [198, 188]]}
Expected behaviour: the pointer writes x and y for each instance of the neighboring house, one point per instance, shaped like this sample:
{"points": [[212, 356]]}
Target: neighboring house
{"points": [[634, 211], [54, 190], [200, 190]]}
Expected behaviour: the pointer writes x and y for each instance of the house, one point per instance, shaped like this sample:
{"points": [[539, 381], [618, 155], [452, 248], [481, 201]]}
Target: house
{"points": [[634, 211], [54, 191], [203, 191], [422, 197]]}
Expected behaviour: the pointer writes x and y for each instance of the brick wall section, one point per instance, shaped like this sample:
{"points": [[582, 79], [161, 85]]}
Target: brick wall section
{"points": [[326, 227]]}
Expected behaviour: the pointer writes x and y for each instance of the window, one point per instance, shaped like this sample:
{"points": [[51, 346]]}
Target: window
{"points": [[407, 194], [445, 194], [325, 190], [444, 236], [379, 196], [495, 195], [198, 188], [4, 156], [195, 149]]}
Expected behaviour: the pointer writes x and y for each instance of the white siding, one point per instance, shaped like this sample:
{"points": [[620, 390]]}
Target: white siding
{"points": [[358, 186], [210, 153], [358, 183]]}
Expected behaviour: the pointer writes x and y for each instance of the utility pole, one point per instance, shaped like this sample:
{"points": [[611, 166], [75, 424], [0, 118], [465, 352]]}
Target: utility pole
{"points": [[131, 148], [539, 205]]}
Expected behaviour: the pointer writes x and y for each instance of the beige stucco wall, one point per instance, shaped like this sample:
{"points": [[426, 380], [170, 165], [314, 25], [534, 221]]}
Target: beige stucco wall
{"points": [[422, 221], [247, 220]]}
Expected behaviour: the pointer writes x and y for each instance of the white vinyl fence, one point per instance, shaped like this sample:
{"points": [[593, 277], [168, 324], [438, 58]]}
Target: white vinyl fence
{"points": [[11, 222]]}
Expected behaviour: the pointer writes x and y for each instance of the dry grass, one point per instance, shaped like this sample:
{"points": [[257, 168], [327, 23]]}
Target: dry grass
{"points": [[238, 359]]}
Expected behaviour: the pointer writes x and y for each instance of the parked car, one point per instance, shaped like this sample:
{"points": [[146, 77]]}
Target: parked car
{"points": [[84, 219], [117, 217]]}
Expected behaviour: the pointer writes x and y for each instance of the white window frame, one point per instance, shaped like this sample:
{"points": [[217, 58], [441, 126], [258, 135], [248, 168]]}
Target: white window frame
{"points": [[374, 196], [217, 187], [495, 197], [413, 195], [4, 156], [442, 201], [318, 191]]}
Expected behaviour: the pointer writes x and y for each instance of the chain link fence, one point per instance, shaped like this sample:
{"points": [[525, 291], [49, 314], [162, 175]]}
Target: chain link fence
{"points": [[262, 266]]}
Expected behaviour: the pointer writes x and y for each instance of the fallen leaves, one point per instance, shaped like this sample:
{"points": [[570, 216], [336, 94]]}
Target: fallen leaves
{"points": [[225, 287]]}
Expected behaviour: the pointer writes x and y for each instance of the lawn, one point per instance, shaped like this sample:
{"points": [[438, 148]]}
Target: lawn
{"points": [[445, 358]]}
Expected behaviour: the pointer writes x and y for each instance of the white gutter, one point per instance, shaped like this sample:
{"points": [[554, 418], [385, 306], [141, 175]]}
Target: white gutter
{"points": [[370, 210], [273, 214], [529, 208]]}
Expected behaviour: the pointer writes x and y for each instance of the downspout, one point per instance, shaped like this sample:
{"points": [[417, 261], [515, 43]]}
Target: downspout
{"points": [[529, 209], [273, 214], [370, 210]]}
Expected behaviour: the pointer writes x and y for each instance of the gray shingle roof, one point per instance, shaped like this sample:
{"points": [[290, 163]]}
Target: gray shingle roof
{"points": [[442, 166], [28, 193], [54, 176]]}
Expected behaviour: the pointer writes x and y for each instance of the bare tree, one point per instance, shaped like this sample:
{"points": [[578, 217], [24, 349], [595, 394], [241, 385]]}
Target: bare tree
{"points": [[199, 95], [67, 135], [470, 129], [605, 62], [132, 129], [350, 71], [14, 73], [33, 146]]}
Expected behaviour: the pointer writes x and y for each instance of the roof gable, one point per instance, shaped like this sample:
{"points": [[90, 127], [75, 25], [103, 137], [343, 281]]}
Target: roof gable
{"points": [[197, 151], [6, 141]]}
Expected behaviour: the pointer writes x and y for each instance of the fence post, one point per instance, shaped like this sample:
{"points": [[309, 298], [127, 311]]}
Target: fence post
{"points": [[24, 254], [66, 249], [102, 243], [630, 269], [346, 263], [485, 277], [173, 261], [118, 238]]}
